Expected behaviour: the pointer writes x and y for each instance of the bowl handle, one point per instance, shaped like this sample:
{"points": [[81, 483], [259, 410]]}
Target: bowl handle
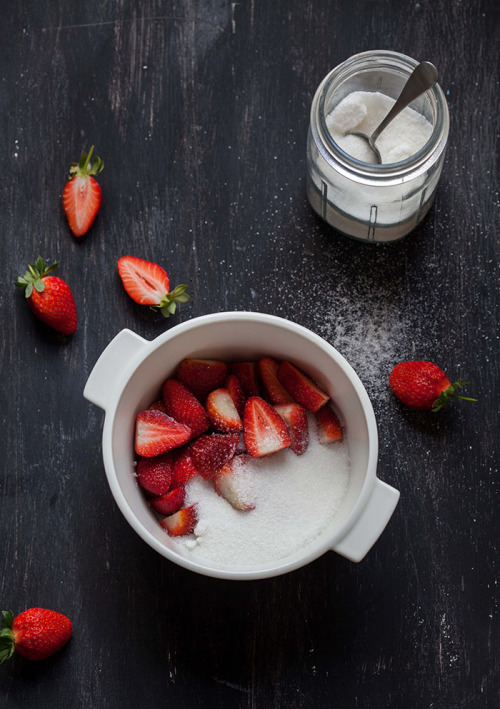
{"points": [[110, 365], [371, 522]]}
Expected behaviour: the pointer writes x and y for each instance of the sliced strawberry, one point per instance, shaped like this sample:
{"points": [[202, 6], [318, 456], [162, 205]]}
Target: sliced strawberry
{"points": [[155, 474], [264, 430], [329, 428], [295, 417], [303, 390], [148, 284], [158, 406], [209, 453], [184, 407], [248, 376], [171, 502], [222, 411], [82, 196], [236, 393], [182, 522], [183, 468], [276, 392], [156, 433], [228, 486], [201, 376]]}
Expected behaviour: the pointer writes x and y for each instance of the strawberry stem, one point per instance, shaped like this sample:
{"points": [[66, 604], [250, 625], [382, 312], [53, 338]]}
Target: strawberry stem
{"points": [[7, 641], [168, 304], [34, 275], [449, 393], [85, 167]]}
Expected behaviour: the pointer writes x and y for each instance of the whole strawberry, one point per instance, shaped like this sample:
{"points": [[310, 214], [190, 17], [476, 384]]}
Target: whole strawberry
{"points": [[423, 385], [82, 195], [35, 634], [49, 297]]}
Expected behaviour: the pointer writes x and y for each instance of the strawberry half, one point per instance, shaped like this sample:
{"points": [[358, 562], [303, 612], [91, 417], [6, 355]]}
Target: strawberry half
{"points": [[236, 393], [303, 390], [248, 376], [201, 376], [264, 431], [184, 407], [155, 474], [49, 297], [156, 433], [171, 502], [148, 284], [226, 484], [222, 411], [183, 468], [82, 196], [35, 634], [209, 453], [276, 392], [182, 522], [295, 417], [329, 428]]}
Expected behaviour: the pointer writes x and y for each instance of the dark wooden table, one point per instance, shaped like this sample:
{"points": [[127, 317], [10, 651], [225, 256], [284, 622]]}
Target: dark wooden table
{"points": [[200, 112]]}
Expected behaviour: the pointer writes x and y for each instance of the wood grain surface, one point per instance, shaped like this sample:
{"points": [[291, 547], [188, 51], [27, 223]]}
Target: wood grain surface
{"points": [[200, 111]]}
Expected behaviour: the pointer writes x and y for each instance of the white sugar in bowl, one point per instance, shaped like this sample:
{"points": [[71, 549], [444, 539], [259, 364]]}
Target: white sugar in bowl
{"points": [[128, 376]]}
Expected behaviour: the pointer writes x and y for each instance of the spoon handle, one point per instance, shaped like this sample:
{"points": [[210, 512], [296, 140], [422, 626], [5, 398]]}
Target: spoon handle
{"points": [[423, 77]]}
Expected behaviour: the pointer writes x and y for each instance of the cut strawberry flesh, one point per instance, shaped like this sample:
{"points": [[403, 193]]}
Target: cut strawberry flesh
{"points": [[295, 417], [182, 522], [145, 282], [303, 390], [329, 428], [276, 392], [264, 431], [156, 433], [81, 199], [222, 411], [226, 484], [236, 393]]}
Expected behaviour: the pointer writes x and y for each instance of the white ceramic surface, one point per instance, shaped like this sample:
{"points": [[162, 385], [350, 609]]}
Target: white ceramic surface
{"points": [[127, 378]]}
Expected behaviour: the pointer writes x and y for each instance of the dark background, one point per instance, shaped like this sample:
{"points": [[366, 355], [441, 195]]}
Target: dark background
{"points": [[200, 112]]}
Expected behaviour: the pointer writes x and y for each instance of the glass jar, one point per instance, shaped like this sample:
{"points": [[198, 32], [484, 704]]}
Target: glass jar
{"points": [[376, 203]]}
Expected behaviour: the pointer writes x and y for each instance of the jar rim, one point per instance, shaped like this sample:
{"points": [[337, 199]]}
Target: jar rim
{"points": [[390, 60]]}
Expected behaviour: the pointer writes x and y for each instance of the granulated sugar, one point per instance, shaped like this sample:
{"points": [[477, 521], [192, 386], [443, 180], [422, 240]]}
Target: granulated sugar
{"points": [[295, 498]]}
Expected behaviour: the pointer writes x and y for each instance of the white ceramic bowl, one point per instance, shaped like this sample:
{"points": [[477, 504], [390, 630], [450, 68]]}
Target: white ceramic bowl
{"points": [[129, 374]]}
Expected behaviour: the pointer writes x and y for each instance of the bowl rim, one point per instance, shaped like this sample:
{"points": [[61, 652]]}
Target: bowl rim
{"points": [[270, 569]]}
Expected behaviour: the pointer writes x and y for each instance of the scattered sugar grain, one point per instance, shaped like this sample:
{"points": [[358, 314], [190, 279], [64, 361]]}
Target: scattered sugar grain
{"points": [[295, 497]]}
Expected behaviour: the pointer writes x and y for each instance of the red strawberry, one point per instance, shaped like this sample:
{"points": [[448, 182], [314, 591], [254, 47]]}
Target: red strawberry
{"points": [[264, 430], [248, 376], [329, 428], [149, 284], [295, 418], [201, 376], [226, 484], [423, 385], [158, 406], [184, 407], [209, 453], [276, 393], [155, 474], [35, 634], [156, 433], [82, 195], [236, 393], [183, 468], [182, 522], [171, 502], [49, 297], [304, 391], [222, 411]]}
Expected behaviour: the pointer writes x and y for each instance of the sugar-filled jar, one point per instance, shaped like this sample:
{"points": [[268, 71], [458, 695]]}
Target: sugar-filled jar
{"points": [[373, 202]]}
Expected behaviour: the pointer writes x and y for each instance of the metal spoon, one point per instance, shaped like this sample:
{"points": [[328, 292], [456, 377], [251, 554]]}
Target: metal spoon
{"points": [[422, 78]]}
